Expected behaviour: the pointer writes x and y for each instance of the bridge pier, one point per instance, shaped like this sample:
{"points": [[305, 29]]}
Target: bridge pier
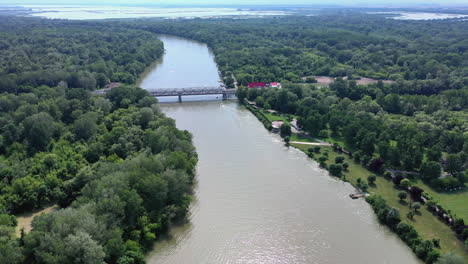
{"points": [[180, 98], [225, 96]]}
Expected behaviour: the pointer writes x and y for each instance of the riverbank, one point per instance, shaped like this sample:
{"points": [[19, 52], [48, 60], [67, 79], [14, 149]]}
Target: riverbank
{"points": [[424, 222]]}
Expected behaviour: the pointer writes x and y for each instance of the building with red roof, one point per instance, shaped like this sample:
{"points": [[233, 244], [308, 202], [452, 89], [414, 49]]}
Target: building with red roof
{"points": [[257, 85]]}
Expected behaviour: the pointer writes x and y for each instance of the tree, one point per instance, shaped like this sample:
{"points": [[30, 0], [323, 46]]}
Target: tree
{"points": [[405, 183], [285, 130], [82, 249], [410, 215], [364, 187], [339, 159], [39, 129], [402, 195], [430, 170], [392, 104], [415, 206], [345, 166], [340, 86], [454, 164], [371, 179], [393, 217], [86, 126], [335, 169]]}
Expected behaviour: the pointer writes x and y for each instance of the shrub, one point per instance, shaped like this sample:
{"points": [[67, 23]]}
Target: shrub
{"points": [[339, 159], [405, 183], [345, 166], [416, 206], [371, 179], [317, 149], [402, 195], [335, 169], [323, 134]]}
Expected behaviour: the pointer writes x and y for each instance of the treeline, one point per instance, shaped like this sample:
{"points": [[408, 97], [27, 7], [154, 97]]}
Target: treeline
{"points": [[88, 55], [424, 249], [335, 44], [120, 168]]}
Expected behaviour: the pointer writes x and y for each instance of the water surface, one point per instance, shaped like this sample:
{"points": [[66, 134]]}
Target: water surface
{"points": [[83, 12], [420, 15], [257, 201]]}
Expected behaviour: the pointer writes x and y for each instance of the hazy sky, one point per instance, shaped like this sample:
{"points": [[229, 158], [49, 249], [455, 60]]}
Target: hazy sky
{"points": [[236, 2]]}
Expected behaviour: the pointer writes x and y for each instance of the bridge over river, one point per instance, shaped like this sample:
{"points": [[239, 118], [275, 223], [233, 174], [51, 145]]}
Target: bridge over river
{"points": [[179, 92]]}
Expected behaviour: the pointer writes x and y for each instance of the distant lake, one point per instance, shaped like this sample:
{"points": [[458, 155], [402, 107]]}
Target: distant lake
{"points": [[420, 15], [83, 12]]}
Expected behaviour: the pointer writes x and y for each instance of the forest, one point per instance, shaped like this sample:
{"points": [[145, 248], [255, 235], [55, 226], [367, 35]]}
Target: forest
{"points": [[120, 169]]}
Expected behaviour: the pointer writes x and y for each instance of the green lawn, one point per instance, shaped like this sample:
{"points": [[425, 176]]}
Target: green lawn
{"points": [[456, 202], [296, 137], [425, 223], [277, 116]]}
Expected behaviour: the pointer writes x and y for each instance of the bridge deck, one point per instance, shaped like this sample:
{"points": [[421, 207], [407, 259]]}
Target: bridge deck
{"points": [[183, 91]]}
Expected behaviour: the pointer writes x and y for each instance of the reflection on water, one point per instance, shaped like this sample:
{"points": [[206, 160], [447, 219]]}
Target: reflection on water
{"points": [[258, 201]]}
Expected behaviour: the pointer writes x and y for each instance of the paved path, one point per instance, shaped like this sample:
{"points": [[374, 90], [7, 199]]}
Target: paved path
{"points": [[311, 143]]}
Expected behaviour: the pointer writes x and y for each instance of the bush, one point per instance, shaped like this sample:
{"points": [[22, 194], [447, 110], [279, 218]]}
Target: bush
{"points": [[345, 166], [323, 134], [339, 159], [285, 130], [335, 169], [371, 179], [405, 183], [416, 206], [402, 195]]}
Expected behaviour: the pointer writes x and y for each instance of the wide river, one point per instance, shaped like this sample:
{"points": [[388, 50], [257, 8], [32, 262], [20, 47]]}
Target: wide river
{"points": [[257, 201]]}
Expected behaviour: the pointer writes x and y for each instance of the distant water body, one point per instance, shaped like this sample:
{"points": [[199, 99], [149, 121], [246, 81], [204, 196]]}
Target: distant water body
{"points": [[420, 15], [84, 12]]}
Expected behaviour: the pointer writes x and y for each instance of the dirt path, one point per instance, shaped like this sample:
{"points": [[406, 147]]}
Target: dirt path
{"points": [[25, 219], [311, 143]]}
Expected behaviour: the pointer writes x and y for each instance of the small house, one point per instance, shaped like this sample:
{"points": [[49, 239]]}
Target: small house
{"points": [[275, 85], [276, 126]]}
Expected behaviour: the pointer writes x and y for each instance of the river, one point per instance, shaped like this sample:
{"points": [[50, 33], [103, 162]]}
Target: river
{"points": [[256, 200]]}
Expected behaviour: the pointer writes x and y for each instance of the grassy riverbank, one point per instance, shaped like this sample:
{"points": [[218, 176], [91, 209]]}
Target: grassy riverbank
{"points": [[427, 225]]}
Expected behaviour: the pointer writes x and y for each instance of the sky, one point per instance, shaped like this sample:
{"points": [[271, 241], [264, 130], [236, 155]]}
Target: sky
{"points": [[237, 2]]}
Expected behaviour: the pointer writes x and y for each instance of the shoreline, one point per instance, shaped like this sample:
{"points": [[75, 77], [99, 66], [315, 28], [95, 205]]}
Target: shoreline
{"points": [[448, 240]]}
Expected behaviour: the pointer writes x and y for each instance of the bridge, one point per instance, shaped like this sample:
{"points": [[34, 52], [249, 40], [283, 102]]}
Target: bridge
{"points": [[179, 92], [192, 91]]}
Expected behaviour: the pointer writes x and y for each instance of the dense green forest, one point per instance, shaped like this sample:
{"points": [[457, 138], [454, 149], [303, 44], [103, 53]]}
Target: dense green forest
{"points": [[38, 52], [115, 162]]}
